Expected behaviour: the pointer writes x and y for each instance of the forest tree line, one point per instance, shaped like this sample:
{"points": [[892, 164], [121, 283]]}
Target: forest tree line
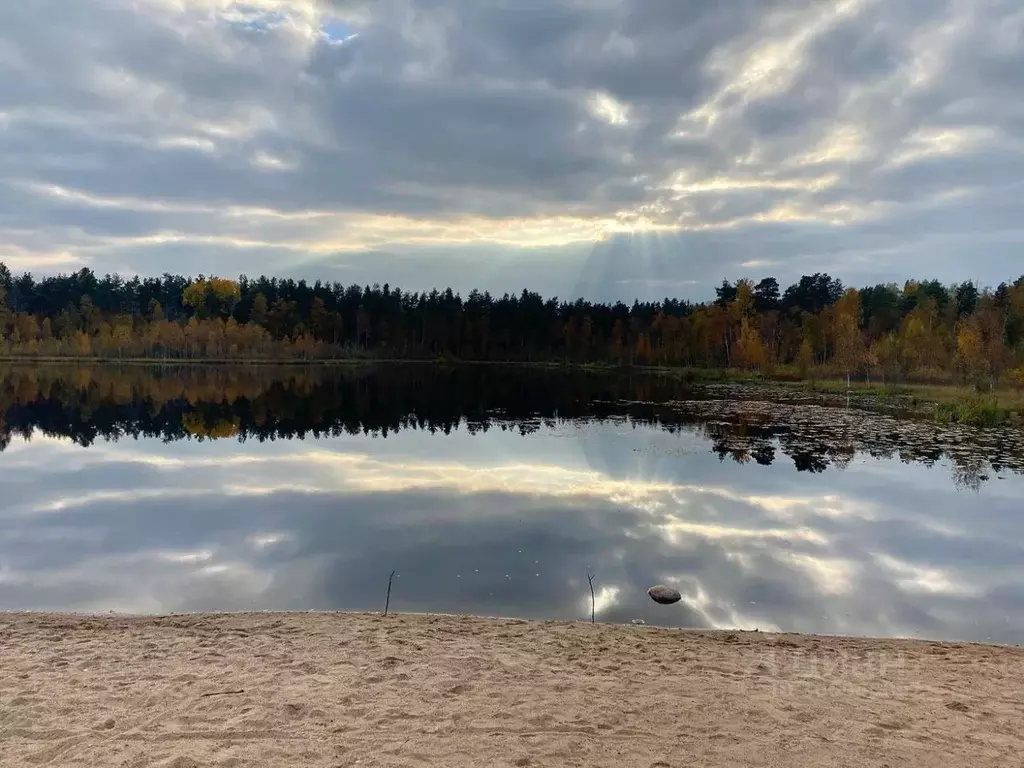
{"points": [[920, 330]]}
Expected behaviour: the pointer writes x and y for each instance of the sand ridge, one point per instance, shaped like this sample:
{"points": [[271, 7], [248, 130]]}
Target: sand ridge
{"points": [[333, 689]]}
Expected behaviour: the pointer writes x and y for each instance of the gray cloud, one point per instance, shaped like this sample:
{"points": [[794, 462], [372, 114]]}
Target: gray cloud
{"points": [[873, 140]]}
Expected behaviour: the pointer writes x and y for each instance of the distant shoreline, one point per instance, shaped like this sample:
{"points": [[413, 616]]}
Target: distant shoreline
{"points": [[327, 689], [947, 401]]}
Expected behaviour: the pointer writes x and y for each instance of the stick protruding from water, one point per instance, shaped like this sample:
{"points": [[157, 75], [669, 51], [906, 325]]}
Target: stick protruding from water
{"points": [[593, 600], [387, 601]]}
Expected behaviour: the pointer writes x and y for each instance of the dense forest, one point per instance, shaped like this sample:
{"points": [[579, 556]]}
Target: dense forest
{"points": [[921, 330], [86, 403]]}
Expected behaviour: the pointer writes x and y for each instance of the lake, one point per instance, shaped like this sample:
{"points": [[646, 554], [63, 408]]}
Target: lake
{"points": [[495, 491]]}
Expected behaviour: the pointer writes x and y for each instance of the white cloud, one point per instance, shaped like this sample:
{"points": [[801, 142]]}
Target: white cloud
{"points": [[608, 108]]}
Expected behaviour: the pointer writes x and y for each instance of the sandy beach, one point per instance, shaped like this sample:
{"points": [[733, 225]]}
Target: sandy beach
{"points": [[290, 690]]}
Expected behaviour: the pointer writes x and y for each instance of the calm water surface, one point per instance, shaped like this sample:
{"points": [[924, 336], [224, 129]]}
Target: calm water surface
{"points": [[494, 491]]}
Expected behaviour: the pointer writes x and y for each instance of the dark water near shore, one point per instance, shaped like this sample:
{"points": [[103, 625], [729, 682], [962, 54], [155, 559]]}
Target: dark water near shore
{"points": [[494, 491]]}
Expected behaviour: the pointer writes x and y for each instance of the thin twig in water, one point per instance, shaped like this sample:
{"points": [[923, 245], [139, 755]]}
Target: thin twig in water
{"points": [[387, 601], [221, 693], [593, 601]]}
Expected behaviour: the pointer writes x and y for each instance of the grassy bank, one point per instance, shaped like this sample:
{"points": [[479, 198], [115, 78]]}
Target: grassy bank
{"points": [[946, 402], [949, 403]]}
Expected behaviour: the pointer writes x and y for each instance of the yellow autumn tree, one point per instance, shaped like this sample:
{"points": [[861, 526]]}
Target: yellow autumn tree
{"points": [[211, 297], [913, 343], [971, 361], [197, 426], [81, 344], [743, 304], [991, 322], [849, 345], [885, 356], [749, 352]]}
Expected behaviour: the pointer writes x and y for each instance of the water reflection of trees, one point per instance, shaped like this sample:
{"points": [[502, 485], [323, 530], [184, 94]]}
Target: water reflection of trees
{"points": [[260, 403], [816, 438]]}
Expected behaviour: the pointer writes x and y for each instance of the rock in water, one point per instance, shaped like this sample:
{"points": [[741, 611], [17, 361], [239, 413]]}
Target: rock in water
{"points": [[664, 595]]}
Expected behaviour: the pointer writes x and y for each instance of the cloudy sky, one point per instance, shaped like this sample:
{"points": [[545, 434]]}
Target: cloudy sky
{"points": [[615, 148]]}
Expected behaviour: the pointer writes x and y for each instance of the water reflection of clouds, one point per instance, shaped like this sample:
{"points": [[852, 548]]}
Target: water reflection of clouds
{"points": [[499, 524]]}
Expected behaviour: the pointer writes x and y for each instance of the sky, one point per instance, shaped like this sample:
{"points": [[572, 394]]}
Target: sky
{"points": [[615, 149]]}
